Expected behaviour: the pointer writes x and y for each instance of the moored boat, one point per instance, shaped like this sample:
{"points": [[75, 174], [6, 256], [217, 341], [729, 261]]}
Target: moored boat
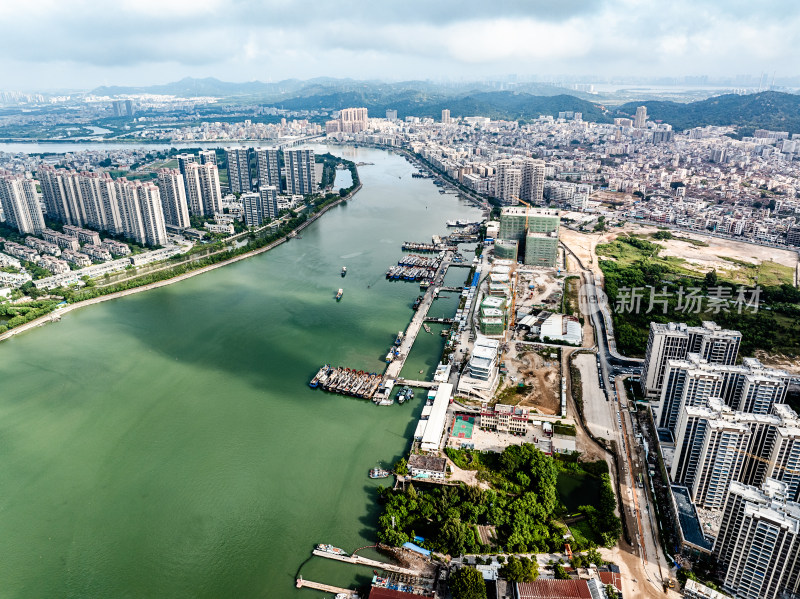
{"points": [[331, 549], [379, 473], [344, 270], [339, 294]]}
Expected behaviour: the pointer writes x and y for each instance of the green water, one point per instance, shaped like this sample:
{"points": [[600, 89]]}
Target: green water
{"points": [[167, 444]]}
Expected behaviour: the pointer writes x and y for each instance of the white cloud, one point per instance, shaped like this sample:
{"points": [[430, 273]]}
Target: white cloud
{"points": [[85, 42]]}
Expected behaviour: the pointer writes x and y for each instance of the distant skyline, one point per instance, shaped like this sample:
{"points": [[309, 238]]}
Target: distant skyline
{"points": [[82, 44]]}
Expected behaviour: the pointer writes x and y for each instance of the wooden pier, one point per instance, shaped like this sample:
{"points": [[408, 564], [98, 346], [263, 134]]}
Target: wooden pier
{"points": [[365, 561], [327, 588]]}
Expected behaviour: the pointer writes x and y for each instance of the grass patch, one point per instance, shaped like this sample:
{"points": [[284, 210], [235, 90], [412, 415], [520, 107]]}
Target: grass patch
{"points": [[766, 274], [584, 534]]}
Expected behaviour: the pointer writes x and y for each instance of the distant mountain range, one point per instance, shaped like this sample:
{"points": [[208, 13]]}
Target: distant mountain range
{"points": [[767, 110]]}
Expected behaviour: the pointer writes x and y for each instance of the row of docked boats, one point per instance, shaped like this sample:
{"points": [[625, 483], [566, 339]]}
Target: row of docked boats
{"points": [[410, 273], [347, 381], [421, 261], [415, 246]]}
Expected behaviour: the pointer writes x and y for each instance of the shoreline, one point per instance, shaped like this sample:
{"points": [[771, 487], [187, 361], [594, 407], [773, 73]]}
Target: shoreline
{"points": [[58, 312]]}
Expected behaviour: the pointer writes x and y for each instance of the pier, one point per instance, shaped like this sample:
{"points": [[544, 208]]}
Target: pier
{"points": [[394, 369], [426, 247], [365, 561], [327, 588], [440, 320]]}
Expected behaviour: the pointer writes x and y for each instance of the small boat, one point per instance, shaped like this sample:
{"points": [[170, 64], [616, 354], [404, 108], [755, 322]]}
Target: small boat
{"points": [[399, 339], [389, 357], [344, 270], [331, 549], [339, 294], [417, 302], [424, 284], [379, 473]]}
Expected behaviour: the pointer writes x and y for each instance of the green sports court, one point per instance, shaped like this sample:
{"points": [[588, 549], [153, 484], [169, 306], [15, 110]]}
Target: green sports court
{"points": [[462, 427]]}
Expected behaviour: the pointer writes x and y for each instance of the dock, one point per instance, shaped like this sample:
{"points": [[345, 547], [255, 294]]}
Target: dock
{"points": [[327, 588], [413, 246], [365, 561], [410, 336]]}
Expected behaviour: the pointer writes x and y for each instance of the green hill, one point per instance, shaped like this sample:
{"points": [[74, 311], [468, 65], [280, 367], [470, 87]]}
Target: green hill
{"points": [[777, 111]]}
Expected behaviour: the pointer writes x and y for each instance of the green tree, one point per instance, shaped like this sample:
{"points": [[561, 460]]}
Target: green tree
{"points": [[467, 583], [401, 467], [560, 573], [711, 278], [520, 570], [593, 557]]}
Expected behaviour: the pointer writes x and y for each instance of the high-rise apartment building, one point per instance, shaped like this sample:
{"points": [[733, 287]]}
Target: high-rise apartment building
{"points": [[446, 117], [640, 120], [238, 169], [758, 545], [268, 167], [513, 221], [208, 157], [391, 114], [507, 181], [152, 215], [183, 160], [100, 201], [269, 202], [62, 195], [673, 341], [20, 203], [173, 198], [750, 387], [353, 120], [203, 194], [260, 206], [300, 171], [532, 186], [210, 188]]}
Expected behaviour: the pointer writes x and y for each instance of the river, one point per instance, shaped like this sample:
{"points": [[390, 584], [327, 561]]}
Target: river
{"points": [[167, 444]]}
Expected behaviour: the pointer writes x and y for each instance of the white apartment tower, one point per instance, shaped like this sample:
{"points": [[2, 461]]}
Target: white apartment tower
{"points": [[20, 204], [758, 545], [268, 169], [173, 198], [507, 181], [640, 120], [446, 117], [532, 186], [238, 169], [149, 201], [208, 157], [673, 341], [300, 171]]}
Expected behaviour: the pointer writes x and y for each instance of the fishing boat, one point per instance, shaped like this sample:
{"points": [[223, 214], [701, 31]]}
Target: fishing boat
{"points": [[331, 549], [417, 302], [344, 270], [379, 473], [399, 339], [322, 374], [339, 294]]}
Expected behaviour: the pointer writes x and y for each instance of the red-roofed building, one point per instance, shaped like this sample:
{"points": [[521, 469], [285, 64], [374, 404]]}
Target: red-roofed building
{"points": [[612, 578], [554, 589], [381, 593]]}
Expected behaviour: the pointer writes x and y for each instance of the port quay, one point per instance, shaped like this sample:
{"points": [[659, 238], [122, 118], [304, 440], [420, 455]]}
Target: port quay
{"points": [[378, 388]]}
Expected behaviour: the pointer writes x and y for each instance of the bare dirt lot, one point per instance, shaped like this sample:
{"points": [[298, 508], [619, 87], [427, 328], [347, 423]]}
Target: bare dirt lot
{"points": [[792, 366], [706, 253], [543, 375]]}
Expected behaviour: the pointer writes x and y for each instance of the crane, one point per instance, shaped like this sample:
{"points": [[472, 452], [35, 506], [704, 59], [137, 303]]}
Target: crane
{"points": [[527, 211]]}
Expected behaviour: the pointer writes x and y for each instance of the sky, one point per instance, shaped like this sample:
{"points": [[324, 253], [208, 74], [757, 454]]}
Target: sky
{"points": [[80, 44]]}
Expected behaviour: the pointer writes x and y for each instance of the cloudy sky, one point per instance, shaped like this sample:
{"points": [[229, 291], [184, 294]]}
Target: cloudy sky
{"points": [[48, 44]]}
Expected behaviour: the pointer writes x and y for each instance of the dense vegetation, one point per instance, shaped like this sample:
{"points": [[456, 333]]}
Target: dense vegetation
{"points": [[522, 505], [774, 327], [467, 583], [766, 110]]}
